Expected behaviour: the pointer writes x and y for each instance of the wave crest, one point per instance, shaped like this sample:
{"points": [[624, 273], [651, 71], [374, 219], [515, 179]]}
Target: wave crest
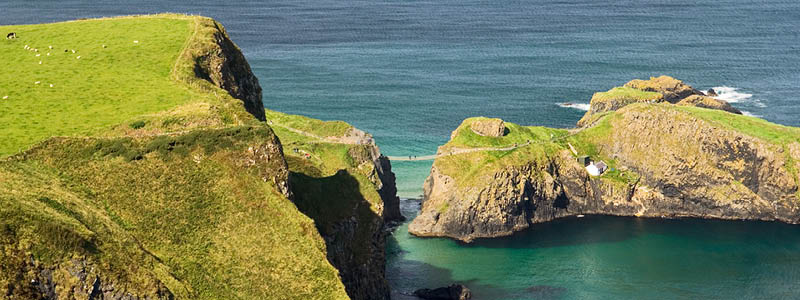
{"points": [[578, 106]]}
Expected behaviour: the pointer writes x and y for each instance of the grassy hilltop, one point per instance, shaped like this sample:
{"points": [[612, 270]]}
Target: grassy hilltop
{"points": [[145, 175]]}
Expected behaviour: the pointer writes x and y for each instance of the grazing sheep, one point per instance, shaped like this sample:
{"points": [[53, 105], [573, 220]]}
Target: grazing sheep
{"points": [[51, 47], [73, 50], [37, 55], [48, 53], [135, 42], [51, 85], [37, 82], [12, 35], [79, 57], [104, 46], [40, 62], [5, 97]]}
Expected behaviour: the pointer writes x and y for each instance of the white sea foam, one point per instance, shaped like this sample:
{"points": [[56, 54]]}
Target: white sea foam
{"points": [[749, 114], [730, 94], [578, 106]]}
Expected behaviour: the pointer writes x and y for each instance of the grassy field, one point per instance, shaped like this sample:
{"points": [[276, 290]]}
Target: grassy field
{"points": [[165, 191], [110, 79], [626, 93]]}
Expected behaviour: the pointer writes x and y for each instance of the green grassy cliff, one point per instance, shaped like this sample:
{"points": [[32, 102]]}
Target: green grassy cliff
{"points": [[147, 169]]}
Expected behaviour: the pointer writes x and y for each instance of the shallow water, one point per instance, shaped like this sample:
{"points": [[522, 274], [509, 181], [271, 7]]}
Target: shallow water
{"points": [[410, 71]]}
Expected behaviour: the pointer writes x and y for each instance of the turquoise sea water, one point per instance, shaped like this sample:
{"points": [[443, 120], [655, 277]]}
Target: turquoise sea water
{"points": [[409, 71]]}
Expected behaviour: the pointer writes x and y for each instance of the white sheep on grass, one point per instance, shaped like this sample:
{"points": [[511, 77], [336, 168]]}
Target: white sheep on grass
{"points": [[5, 97], [79, 57], [37, 82]]}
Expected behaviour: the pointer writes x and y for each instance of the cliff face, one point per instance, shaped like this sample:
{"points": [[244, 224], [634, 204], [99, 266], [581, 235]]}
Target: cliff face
{"points": [[668, 162], [341, 180], [222, 63]]}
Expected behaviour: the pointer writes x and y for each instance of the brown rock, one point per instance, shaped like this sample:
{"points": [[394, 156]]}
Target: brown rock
{"points": [[708, 102], [673, 90], [489, 127]]}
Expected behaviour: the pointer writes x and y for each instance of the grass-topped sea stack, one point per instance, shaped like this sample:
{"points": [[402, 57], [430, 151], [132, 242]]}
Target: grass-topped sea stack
{"points": [[137, 164]]}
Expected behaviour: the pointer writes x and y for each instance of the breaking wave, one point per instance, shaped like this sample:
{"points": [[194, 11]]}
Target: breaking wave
{"points": [[578, 106]]}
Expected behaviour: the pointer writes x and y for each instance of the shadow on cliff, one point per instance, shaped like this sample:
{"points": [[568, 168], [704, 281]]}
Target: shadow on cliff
{"points": [[405, 276], [352, 231]]}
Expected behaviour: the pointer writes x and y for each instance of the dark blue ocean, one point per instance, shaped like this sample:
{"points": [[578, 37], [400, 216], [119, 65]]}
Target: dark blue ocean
{"points": [[409, 71]]}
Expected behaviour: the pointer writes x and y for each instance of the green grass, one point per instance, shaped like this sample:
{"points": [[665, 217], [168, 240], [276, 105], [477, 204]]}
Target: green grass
{"points": [[105, 86], [626, 93], [190, 200], [751, 126], [516, 134], [108, 90], [313, 126]]}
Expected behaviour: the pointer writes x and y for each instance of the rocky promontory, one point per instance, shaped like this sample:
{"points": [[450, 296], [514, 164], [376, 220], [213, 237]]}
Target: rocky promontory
{"points": [[664, 160]]}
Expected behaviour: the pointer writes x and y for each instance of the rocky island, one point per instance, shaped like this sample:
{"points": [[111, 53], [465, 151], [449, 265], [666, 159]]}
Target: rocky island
{"points": [[671, 151], [160, 175]]}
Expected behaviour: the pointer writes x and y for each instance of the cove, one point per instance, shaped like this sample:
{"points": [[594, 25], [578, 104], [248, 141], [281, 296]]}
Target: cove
{"points": [[604, 257]]}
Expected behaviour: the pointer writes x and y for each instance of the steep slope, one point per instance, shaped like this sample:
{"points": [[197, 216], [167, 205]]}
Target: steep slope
{"points": [[340, 179], [666, 161], [180, 191]]}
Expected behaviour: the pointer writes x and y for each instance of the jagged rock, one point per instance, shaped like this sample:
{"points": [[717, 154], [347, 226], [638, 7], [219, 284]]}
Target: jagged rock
{"points": [[708, 102], [711, 93], [452, 292], [223, 64], [489, 127], [673, 90]]}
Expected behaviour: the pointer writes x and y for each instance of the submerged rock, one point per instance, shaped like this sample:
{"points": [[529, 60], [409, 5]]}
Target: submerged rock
{"points": [[452, 292]]}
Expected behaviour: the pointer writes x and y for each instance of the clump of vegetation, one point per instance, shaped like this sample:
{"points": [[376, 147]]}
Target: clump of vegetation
{"points": [[138, 124]]}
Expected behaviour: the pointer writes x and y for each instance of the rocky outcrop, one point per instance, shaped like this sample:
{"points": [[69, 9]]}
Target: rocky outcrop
{"points": [[676, 165], [489, 127], [708, 102], [222, 63], [672, 89], [452, 292], [655, 90]]}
